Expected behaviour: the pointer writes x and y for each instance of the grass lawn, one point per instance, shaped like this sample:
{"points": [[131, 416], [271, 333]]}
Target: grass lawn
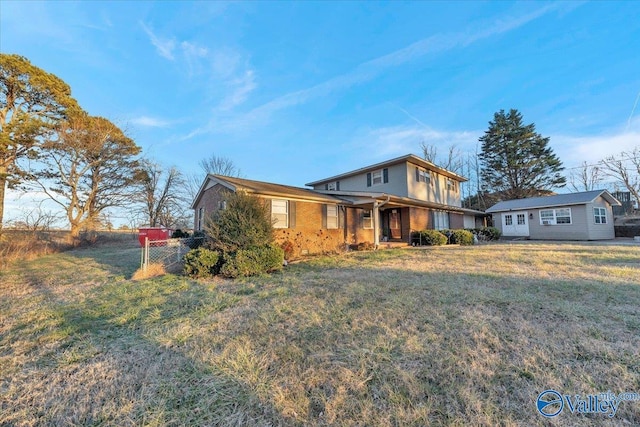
{"points": [[441, 336]]}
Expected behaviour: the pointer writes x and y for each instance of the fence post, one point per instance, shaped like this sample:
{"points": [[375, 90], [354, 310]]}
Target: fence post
{"points": [[146, 253]]}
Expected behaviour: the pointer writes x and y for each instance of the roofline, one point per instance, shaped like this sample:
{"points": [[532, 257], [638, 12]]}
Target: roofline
{"points": [[408, 157], [220, 179], [400, 200], [603, 193]]}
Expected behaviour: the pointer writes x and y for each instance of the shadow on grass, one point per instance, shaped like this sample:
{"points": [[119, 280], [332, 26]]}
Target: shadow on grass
{"points": [[332, 342], [101, 365]]}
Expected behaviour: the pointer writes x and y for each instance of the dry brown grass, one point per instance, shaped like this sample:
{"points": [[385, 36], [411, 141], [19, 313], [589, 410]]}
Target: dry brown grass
{"points": [[149, 271], [440, 336]]}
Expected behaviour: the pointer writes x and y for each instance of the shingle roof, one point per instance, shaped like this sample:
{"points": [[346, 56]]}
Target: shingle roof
{"points": [[270, 189], [551, 201]]}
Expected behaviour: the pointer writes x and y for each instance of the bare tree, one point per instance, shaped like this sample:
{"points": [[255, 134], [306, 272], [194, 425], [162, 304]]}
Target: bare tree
{"points": [[163, 195], [212, 165], [585, 177], [624, 167], [36, 219], [453, 161]]}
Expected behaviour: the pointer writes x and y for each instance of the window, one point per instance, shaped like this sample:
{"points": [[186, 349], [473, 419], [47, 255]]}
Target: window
{"points": [[555, 216], [451, 184], [423, 176], [222, 204], [521, 219], [378, 177], [600, 215], [332, 216], [367, 219], [280, 213], [200, 218], [508, 219], [440, 220], [333, 186]]}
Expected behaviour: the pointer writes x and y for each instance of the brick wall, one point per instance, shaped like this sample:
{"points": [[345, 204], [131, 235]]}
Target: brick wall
{"points": [[209, 201]]}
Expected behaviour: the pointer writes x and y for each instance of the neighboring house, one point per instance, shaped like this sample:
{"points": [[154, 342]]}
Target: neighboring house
{"points": [[381, 202], [577, 216]]}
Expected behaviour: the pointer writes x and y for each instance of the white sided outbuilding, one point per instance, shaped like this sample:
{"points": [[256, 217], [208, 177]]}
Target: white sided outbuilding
{"points": [[586, 215]]}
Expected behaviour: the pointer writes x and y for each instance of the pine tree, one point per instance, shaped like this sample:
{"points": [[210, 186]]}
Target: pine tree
{"points": [[516, 161]]}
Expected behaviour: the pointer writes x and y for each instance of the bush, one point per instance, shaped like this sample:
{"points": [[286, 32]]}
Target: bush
{"points": [[243, 224], [201, 262], [428, 237], [288, 248], [252, 261], [179, 234], [362, 246], [489, 233], [196, 240], [461, 237]]}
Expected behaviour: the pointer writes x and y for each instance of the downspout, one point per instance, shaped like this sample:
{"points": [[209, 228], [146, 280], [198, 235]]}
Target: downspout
{"points": [[376, 220]]}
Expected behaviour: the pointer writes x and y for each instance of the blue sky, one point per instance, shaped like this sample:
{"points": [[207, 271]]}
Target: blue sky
{"points": [[296, 91]]}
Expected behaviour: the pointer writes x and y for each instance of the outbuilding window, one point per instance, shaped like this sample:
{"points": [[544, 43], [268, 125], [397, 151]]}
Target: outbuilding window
{"points": [[600, 215], [555, 216]]}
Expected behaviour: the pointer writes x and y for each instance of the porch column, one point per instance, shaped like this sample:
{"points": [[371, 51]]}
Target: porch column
{"points": [[376, 224]]}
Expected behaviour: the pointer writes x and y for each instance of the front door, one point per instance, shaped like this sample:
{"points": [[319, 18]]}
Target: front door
{"points": [[515, 224], [394, 224]]}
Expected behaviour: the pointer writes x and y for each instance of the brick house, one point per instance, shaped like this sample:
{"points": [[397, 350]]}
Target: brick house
{"points": [[381, 202]]}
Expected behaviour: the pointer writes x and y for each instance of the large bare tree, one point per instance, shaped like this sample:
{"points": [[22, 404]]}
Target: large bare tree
{"points": [[88, 167], [586, 177], [625, 168], [162, 195], [31, 102]]}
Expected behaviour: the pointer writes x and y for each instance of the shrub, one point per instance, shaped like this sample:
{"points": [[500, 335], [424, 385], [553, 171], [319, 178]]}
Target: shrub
{"points": [[252, 261], [288, 248], [201, 262], [490, 233], [428, 237], [196, 240], [245, 223], [461, 237], [362, 246], [179, 234]]}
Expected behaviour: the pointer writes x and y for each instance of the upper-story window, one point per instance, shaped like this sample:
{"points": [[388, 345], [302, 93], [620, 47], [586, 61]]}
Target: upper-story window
{"points": [[423, 176], [333, 186], [451, 184], [381, 176]]}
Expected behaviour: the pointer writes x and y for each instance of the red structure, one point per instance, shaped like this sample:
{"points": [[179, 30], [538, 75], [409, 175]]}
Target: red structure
{"points": [[154, 234]]}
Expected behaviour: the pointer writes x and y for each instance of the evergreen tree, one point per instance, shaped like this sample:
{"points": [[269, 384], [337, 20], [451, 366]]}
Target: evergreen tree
{"points": [[516, 161]]}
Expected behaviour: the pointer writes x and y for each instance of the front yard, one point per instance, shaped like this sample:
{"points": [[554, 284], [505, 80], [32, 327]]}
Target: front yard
{"points": [[442, 336]]}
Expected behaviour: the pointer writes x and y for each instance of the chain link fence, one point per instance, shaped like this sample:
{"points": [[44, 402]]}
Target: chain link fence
{"points": [[167, 252]]}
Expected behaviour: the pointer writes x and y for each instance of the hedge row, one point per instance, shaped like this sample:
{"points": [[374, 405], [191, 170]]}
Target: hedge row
{"points": [[455, 237], [253, 261]]}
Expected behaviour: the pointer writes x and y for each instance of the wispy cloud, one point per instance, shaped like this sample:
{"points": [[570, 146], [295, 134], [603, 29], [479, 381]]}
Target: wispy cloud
{"points": [[146, 121], [369, 70], [393, 141], [573, 150], [165, 47]]}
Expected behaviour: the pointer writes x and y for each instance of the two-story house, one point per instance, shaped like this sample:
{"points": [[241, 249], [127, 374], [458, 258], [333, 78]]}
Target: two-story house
{"points": [[380, 202]]}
